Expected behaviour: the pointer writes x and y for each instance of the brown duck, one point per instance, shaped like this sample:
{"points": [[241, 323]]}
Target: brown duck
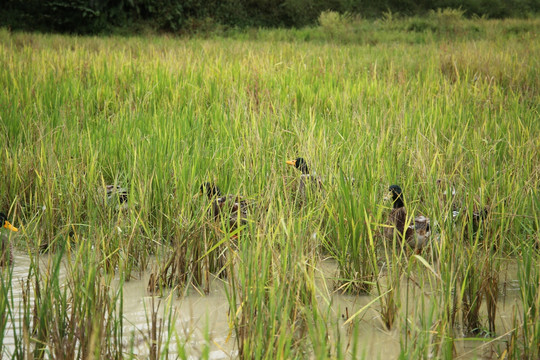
{"points": [[416, 234], [233, 207]]}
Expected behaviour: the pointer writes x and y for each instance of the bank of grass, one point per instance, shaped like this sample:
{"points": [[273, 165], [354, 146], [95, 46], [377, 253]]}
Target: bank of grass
{"points": [[160, 115], [440, 25]]}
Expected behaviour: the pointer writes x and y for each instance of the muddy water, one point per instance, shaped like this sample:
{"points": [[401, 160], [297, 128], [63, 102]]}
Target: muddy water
{"points": [[376, 342], [198, 317], [20, 272], [200, 320], [202, 327]]}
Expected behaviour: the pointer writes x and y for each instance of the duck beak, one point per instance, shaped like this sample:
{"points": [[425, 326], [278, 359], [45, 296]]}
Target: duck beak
{"points": [[291, 162], [7, 225], [388, 196]]}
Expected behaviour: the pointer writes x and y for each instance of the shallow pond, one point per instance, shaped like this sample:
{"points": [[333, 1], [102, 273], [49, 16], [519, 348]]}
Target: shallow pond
{"points": [[202, 326]]}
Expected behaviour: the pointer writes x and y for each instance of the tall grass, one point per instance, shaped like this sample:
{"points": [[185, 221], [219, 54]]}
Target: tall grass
{"points": [[161, 115]]}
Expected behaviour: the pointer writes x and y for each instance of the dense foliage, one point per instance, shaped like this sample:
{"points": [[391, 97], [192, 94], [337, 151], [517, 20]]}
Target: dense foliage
{"points": [[97, 16]]}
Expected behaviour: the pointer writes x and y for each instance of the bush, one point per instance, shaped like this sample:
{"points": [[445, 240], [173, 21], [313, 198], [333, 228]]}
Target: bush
{"points": [[335, 23], [448, 20]]}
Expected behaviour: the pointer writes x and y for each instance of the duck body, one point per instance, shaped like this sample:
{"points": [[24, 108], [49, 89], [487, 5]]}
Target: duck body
{"points": [[233, 206], [116, 192], [416, 234], [308, 181]]}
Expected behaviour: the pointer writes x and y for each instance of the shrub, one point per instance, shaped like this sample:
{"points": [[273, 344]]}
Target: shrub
{"points": [[447, 17], [337, 24]]}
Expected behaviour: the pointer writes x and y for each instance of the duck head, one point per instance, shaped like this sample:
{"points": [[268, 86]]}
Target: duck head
{"points": [[300, 164], [5, 223]]}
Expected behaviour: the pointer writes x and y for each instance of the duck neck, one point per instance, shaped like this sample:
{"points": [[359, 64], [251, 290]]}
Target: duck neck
{"points": [[398, 201]]}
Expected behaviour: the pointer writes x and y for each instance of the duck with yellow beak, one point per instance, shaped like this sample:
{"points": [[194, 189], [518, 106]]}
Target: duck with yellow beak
{"points": [[5, 250], [306, 178], [5, 223]]}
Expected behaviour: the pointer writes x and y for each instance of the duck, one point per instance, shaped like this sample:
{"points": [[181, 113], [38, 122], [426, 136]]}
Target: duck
{"points": [[417, 234], [305, 178], [232, 206], [6, 257], [448, 196]]}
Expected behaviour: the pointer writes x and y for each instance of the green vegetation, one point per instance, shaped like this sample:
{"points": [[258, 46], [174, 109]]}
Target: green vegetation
{"points": [[394, 101], [194, 16]]}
